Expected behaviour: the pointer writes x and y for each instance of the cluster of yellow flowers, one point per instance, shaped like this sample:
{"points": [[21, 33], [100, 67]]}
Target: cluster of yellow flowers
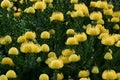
{"points": [[5, 40]]}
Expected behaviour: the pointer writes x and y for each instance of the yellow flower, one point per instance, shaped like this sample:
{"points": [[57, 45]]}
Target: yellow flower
{"points": [[95, 70], [60, 76], [117, 44], [7, 61], [93, 31], [30, 10], [40, 5], [38, 59], [68, 52], [74, 58], [48, 1], [70, 32], [116, 27], [84, 78], [108, 41], [43, 77], [83, 73], [3, 77], [5, 4], [115, 19], [57, 16], [103, 35], [21, 39], [110, 6], [103, 5], [65, 59], [52, 31], [108, 11], [80, 37], [101, 21], [2, 41], [56, 64], [8, 39], [109, 75], [118, 75], [52, 54], [30, 35], [77, 13], [45, 48], [50, 59], [45, 35], [11, 74], [73, 1], [96, 16], [93, 4], [108, 56], [13, 51], [17, 14], [71, 41], [116, 14]]}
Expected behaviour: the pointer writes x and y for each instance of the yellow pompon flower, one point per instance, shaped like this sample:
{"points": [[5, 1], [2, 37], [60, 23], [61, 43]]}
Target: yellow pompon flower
{"points": [[68, 52], [60, 76], [2, 41], [50, 59], [95, 70], [45, 35], [38, 59], [30, 35], [82, 7], [80, 37], [71, 41], [17, 14], [101, 21], [45, 48], [48, 1], [8, 39], [56, 64], [103, 35], [57, 16], [109, 41], [21, 1], [3, 77], [52, 54], [21, 39], [73, 1], [103, 5], [65, 59], [83, 73], [96, 16], [116, 14], [109, 75], [85, 78], [117, 44], [118, 75], [74, 58], [115, 19], [93, 4], [11, 74], [77, 13], [40, 5], [116, 37], [70, 32], [13, 51], [116, 27], [30, 10], [5, 4], [43, 77], [108, 11], [7, 61], [52, 31], [93, 31], [108, 56]]}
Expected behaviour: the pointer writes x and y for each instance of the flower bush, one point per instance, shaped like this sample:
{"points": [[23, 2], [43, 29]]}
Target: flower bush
{"points": [[59, 39]]}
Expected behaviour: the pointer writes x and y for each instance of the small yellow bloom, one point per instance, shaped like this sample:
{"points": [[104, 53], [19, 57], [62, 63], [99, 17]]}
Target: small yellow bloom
{"points": [[2, 41], [17, 14], [96, 16], [30, 10], [52, 31], [3, 77], [93, 4], [85, 78], [40, 5], [48, 1], [52, 54], [45, 48], [103, 35], [11, 74], [117, 44], [118, 75], [50, 59], [71, 41], [65, 59], [5, 4], [38, 59], [80, 37], [74, 58], [30, 35], [101, 21], [108, 11], [13, 51], [73, 1], [21, 39], [109, 75], [116, 27], [68, 52], [116, 14], [103, 5], [108, 56], [60, 76], [115, 19], [95, 70], [8, 39], [83, 73], [70, 32], [7, 61], [56, 64], [77, 13], [45, 35], [43, 77], [57, 16]]}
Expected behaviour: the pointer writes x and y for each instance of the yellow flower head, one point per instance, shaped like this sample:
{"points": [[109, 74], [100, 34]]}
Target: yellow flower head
{"points": [[77, 13], [5, 4], [108, 11], [11, 74], [52, 54], [2, 41], [116, 14], [57, 16], [3, 77], [38, 59], [7, 61], [115, 19], [13, 51], [96, 16], [17, 14], [43, 77], [117, 44], [56, 64], [48, 1], [83, 73], [103, 5], [30, 10], [21, 39], [73, 1], [60, 76], [71, 41], [93, 4], [116, 27], [50, 59], [70, 32], [45, 48], [74, 58], [84, 78], [8, 39], [81, 37], [95, 70], [65, 59], [52, 31], [101, 21], [45, 35], [108, 56], [30, 35], [118, 75], [68, 52], [40, 5], [109, 75], [103, 35]]}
